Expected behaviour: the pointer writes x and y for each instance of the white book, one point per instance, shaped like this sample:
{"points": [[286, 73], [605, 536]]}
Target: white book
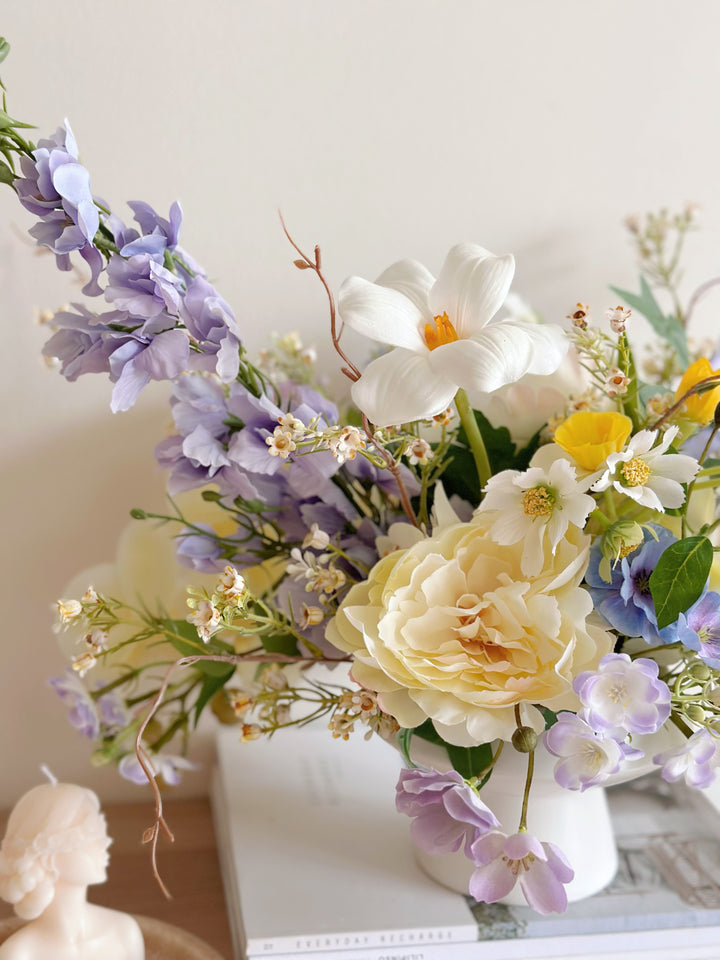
{"points": [[319, 865]]}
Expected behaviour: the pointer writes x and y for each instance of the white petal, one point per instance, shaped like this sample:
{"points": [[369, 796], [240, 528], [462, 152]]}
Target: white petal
{"points": [[413, 281], [399, 387], [675, 466], [381, 314], [668, 491], [471, 288], [500, 354]]}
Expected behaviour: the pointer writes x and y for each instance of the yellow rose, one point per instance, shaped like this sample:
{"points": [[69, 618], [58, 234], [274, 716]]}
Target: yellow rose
{"points": [[450, 629], [591, 437], [700, 409]]}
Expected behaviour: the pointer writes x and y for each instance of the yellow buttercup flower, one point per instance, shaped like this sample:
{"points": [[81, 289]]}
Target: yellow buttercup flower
{"points": [[699, 408], [591, 437]]}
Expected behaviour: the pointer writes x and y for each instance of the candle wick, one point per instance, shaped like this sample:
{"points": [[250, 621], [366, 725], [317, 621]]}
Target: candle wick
{"points": [[49, 774]]}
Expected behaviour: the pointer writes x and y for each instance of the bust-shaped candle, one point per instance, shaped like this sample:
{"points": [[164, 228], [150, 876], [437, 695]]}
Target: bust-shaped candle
{"points": [[55, 846]]}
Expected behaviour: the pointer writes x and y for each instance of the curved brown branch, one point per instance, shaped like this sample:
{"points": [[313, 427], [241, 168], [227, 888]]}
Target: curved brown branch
{"points": [[695, 390], [305, 263], [152, 834], [394, 470]]}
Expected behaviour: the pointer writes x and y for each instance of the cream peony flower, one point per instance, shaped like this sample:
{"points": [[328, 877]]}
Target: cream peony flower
{"points": [[451, 629]]}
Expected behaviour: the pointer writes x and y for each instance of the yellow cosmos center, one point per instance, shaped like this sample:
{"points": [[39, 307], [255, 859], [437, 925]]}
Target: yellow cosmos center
{"points": [[635, 472], [443, 332], [538, 502]]}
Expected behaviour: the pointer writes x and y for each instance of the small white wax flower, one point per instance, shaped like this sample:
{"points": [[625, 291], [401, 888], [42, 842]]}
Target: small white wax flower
{"points": [[281, 444], [419, 451], [648, 474], [579, 316], [617, 316], [345, 444], [316, 538], [96, 640], [205, 618], [83, 663], [69, 609], [90, 595], [310, 616], [231, 585], [616, 383], [291, 425]]}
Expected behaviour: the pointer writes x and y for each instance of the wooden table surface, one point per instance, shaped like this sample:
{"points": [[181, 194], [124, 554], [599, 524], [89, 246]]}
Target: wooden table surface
{"points": [[189, 868]]}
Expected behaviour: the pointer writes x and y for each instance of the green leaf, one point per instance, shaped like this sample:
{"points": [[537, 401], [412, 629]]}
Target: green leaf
{"points": [[680, 577], [4, 48], [667, 327], [460, 475], [548, 715], [403, 739], [6, 174], [183, 636], [210, 686], [281, 643], [470, 761], [427, 731]]}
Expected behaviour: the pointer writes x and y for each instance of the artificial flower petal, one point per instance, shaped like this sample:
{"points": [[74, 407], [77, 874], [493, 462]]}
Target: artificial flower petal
{"points": [[399, 387], [382, 314]]}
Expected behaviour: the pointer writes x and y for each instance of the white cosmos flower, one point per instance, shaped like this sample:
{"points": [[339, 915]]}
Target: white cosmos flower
{"points": [[442, 335], [536, 506], [648, 474]]}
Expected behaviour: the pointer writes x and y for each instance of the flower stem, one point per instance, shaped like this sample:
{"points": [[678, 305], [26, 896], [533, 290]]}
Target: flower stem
{"points": [[474, 437], [526, 796]]}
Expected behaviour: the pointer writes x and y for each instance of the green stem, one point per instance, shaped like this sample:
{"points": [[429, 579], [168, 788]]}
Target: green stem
{"points": [[474, 437], [522, 826]]}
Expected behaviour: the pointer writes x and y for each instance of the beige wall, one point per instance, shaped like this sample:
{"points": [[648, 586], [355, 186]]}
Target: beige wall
{"points": [[384, 129]]}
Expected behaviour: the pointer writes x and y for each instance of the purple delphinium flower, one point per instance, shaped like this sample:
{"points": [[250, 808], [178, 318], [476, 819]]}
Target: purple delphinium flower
{"points": [[699, 628], [82, 712], [447, 812], [586, 759], [212, 324], [623, 696], [149, 293], [140, 359], [696, 760], [626, 602], [540, 868], [167, 766], [200, 552]]}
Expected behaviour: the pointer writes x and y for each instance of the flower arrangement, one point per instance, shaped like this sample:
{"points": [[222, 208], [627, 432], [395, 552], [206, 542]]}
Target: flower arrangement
{"points": [[507, 532]]}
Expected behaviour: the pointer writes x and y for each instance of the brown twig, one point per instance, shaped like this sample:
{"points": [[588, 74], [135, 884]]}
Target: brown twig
{"points": [[394, 470], [696, 389], [305, 263], [350, 370], [152, 834]]}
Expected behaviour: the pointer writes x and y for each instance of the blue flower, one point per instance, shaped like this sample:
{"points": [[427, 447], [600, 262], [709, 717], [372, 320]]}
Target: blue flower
{"points": [[626, 602], [699, 628]]}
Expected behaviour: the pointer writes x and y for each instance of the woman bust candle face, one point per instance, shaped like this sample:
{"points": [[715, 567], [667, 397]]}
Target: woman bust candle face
{"points": [[55, 846]]}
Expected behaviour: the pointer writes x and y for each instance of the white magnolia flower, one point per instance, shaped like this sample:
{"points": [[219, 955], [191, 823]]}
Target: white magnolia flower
{"points": [[648, 474], [442, 335], [536, 506]]}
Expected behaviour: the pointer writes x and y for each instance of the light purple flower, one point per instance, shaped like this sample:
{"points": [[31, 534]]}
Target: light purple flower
{"points": [[140, 359], [167, 766], [212, 323], [145, 289], [82, 712], [446, 810], [623, 696], [699, 628], [56, 188], [585, 758], [540, 868], [200, 552], [696, 760]]}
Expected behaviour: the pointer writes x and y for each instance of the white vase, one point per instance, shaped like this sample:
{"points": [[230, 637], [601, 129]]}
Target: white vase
{"points": [[577, 822]]}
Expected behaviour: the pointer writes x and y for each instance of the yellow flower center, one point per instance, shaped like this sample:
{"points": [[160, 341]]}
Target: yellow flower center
{"points": [[635, 472], [538, 502], [443, 333]]}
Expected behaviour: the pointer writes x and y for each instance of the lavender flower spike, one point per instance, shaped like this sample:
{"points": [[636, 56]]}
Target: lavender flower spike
{"points": [[585, 758], [696, 760], [623, 696], [540, 868], [446, 809]]}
